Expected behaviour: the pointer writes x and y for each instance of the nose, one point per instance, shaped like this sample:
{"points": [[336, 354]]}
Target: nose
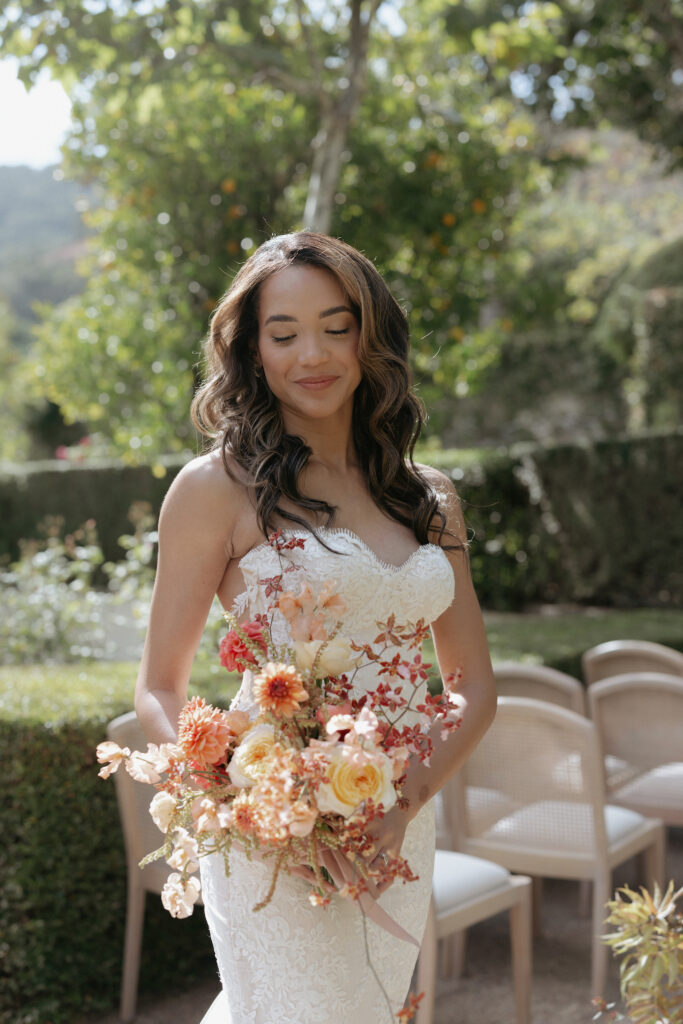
{"points": [[313, 350]]}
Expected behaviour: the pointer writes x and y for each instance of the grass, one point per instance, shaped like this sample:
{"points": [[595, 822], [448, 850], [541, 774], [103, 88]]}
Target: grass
{"points": [[101, 690]]}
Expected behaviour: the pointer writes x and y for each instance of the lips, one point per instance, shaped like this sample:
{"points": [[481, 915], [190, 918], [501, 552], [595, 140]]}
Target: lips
{"points": [[316, 382]]}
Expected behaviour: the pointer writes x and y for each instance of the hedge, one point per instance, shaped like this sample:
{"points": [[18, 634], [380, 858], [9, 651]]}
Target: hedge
{"points": [[596, 523], [62, 863]]}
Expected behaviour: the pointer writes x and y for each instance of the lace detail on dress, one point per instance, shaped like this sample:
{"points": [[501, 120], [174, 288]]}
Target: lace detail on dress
{"points": [[292, 963], [420, 588]]}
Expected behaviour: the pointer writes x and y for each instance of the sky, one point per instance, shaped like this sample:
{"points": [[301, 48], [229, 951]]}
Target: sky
{"points": [[32, 124]]}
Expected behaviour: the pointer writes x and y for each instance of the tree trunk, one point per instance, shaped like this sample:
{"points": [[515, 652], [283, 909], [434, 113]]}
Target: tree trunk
{"points": [[336, 119]]}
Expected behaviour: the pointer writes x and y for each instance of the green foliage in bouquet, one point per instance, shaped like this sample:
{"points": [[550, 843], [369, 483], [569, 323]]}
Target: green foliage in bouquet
{"points": [[648, 936]]}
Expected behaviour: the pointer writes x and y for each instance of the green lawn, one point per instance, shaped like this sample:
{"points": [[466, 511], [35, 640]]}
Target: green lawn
{"points": [[556, 637]]}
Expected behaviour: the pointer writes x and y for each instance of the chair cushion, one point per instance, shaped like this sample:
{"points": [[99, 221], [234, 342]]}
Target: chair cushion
{"points": [[661, 787], [561, 825], [459, 878]]}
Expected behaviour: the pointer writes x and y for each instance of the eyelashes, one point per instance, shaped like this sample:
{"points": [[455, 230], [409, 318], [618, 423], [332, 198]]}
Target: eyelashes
{"points": [[288, 337]]}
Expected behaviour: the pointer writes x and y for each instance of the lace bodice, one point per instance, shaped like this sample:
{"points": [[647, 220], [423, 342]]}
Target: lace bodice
{"points": [[420, 588]]}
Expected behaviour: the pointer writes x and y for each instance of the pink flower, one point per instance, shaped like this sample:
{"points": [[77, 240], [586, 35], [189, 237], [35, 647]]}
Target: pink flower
{"points": [[299, 610], [204, 732], [110, 755], [208, 816], [185, 851], [234, 653], [141, 768], [179, 897], [61, 452], [299, 818]]}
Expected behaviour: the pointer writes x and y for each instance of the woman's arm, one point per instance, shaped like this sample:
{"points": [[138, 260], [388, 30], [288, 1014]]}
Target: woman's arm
{"points": [[196, 526], [462, 654]]}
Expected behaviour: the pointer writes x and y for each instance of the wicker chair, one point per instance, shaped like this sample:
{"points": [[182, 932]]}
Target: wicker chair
{"points": [[639, 718], [616, 657], [534, 800], [515, 679]]}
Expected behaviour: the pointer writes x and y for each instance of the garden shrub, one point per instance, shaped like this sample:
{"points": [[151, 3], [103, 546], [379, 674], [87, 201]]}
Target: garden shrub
{"points": [[597, 523], [593, 523], [62, 862]]}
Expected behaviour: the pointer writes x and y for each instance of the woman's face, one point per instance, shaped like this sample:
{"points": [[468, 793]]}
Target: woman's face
{"points": [[308, 342]]}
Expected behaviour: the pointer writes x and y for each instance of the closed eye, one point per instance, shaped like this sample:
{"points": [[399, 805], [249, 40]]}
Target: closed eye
{"points": [[345, 330]]}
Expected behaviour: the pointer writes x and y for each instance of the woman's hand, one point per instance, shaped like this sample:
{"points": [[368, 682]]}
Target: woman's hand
{"points": [[386, 837]]}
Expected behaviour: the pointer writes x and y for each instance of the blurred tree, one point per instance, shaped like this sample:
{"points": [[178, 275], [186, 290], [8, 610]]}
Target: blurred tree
{"points": [[570, 282], [196, 121], [584, 62]]}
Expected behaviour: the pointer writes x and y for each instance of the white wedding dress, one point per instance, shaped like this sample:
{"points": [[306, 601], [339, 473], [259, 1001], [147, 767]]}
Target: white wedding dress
{"points": [[292, 963]]}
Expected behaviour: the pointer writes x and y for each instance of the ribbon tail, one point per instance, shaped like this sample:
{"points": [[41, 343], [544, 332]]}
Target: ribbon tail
{"points": [[379, 915]]}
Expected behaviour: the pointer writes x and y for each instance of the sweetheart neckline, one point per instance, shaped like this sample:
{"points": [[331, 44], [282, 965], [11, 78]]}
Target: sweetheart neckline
{"points": [[352, 536]]}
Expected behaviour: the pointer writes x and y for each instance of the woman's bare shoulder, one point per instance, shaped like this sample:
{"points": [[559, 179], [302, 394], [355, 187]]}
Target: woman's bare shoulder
{"points": [[204, 497], [447, 497]]}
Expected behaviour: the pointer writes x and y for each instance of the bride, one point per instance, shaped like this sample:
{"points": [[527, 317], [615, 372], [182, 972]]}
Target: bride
{"points": [[308, 402]]}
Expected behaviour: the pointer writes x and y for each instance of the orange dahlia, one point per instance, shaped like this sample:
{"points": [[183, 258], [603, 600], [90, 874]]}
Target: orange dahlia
{"points": [[279, 688], [204, 733]]}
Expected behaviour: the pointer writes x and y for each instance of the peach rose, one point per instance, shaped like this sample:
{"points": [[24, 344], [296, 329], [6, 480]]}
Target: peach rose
{"points": [[250, 759], [355, 775], [336, 657]]}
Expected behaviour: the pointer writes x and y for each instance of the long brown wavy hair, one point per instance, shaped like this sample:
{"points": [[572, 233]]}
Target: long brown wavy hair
{"points": [[236, 409]]}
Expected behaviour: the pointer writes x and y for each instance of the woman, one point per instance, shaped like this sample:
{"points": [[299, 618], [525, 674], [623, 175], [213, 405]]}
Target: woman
{"points": [[309, 403]]}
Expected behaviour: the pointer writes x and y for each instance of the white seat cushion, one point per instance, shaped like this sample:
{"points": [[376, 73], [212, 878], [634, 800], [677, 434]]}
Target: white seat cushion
{"points": [[660, 787], [459, 878]]}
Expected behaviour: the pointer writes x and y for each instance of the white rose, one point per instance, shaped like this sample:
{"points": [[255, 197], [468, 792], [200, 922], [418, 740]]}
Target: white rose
{"points": [[337, 657], [180, 899], [161, 808], [356, 775], [251, 755]]}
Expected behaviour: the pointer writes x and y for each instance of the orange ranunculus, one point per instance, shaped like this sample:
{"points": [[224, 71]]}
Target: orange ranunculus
{"points": [[204, 732], [279, 688]]}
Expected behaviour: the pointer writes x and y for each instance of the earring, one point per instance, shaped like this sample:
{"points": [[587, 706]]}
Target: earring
{"points": [[258, 371]]}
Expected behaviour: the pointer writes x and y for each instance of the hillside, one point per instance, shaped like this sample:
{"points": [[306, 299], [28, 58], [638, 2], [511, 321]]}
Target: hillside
{"points": [[41, 234]]}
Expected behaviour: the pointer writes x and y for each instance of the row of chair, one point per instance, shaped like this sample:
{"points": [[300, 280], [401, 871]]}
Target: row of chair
{"points": [[534, 797], [531, 799]]}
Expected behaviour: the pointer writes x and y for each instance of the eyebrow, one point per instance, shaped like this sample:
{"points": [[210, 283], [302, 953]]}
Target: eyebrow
{"points": [[284, 318]]}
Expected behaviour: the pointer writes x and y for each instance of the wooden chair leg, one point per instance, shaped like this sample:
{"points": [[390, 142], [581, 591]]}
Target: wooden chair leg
{"points": [[654, 858], [135, 910], [452, 954], [536, 899], [601, 894], [426, 971], [520, 942]]}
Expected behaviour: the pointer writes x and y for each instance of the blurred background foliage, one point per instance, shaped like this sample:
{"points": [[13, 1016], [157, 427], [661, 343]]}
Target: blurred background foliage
{"points": [[513, 169]]}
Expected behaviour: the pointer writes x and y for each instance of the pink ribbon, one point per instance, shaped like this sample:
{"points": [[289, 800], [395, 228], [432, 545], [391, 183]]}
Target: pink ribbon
{"points": [[367, 902]]}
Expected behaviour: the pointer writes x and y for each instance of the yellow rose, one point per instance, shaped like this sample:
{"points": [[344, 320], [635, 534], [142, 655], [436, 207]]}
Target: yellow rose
{"points": [[250, 759], [355, 775], [337, 657]]}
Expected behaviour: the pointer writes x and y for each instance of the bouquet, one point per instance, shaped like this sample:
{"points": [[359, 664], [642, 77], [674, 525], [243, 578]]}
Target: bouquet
{"points": [[301, 781]]}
